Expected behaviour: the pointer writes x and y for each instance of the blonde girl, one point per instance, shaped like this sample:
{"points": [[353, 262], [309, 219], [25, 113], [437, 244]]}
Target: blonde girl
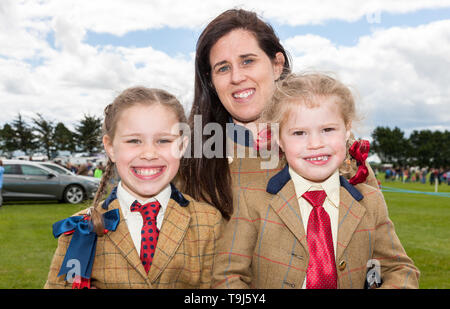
{"points": [[308, 226], [146, 234]]}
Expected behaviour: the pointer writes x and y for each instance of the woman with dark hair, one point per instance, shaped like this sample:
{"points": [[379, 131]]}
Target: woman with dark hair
{"points": [[238, 60]]}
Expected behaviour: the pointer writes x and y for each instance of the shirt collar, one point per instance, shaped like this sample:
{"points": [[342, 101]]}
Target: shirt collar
{"points": [[126, 199], [331, 186]]}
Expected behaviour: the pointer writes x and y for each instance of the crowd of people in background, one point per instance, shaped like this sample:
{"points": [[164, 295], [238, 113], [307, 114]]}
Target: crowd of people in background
{"points": [[86, 169], [414, 174]]}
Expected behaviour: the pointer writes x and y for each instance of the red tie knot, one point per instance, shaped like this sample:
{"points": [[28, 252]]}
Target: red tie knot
{"points": [[315, 198], [148, 211]]}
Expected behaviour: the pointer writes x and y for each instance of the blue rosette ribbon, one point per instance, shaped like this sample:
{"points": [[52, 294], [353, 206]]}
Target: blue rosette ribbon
{"points": [[83, 243]]}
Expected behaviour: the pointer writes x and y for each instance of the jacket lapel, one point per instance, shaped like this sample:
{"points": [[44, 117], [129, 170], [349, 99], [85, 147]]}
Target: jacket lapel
{"points": [[350, 215], [285, 204], [174, 228], [122, 240]]}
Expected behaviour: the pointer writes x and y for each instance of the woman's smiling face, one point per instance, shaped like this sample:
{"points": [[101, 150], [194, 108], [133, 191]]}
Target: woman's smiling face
{"points": [[243, 75]]}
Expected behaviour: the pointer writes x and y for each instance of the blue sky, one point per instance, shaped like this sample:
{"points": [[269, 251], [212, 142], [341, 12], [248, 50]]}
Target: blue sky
{"points": [[181, 41], [66, 58]]}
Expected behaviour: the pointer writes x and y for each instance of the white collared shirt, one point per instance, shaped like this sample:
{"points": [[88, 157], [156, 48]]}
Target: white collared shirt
{"points": [[134, 219], [331, 203]]}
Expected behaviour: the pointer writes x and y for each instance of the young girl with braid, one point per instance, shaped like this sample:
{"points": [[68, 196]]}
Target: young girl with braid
{"points": [[146, 234]]}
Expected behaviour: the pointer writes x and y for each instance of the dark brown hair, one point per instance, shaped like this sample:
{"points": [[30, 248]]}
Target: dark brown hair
{"points": [[209, 179], [128, 98]]}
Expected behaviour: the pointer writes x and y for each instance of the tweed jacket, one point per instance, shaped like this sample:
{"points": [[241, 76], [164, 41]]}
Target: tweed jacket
{"points": [[184, 255], [264, 243]]}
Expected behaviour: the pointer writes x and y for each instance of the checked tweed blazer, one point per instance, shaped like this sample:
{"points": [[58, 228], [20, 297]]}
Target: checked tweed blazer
{"points": [[184, 255], [264, 243]]}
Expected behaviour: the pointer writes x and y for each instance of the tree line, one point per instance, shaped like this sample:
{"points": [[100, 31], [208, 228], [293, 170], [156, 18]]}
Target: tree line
{"points": [[421, 148], [49, 137]]}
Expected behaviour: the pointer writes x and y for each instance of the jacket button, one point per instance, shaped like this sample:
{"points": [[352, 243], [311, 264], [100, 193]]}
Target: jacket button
{"points": [[342, 265], [297, 256], [292, 285]]}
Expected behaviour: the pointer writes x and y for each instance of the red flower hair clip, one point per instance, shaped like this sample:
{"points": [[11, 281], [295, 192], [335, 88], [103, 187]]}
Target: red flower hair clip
{"points": [[360, 151], [264, 138]]}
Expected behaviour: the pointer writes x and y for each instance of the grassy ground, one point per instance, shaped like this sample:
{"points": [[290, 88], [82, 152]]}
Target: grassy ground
{"points": [[26, 241], [421, 222]]}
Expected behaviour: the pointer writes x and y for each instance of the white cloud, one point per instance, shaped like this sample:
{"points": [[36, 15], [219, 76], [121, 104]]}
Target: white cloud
{"points": [[401, 74], [317, 12], [70, 85], [121, 16], [74, 78]]}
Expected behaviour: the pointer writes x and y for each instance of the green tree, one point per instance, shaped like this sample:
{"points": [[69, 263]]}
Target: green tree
{"points": [[64, 139], [391, 145], [24, 137], [430, 148], [45, 133], [441, 149], [423, 147], [8, 140], [88, 134]]}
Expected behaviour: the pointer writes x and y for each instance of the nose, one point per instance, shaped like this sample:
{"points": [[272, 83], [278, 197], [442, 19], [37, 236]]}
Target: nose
{"points": [[237, 75], [315, 141], [148, 152]]}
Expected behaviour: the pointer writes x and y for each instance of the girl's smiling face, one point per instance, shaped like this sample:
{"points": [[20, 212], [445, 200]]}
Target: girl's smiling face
{"points": [[146, 148], [314, 139]]}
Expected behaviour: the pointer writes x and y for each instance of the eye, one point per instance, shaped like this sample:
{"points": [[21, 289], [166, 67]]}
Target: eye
{"points": [[328, 130], [247, 61], [164, 141], [133, 141], [298, 133], [223, 69]]}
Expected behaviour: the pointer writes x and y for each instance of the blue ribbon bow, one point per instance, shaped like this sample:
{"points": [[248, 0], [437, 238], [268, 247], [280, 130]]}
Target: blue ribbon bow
{"points": [[82, 246]]}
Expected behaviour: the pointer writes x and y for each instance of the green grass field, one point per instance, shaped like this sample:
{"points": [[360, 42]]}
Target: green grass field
{"points": [[421, 222], [26, 241]]}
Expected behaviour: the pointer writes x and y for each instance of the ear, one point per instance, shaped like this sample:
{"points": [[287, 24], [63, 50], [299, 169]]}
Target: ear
{"points": [[278, 64], [108, 145], [348, 131], [279, 142], [180, 146], [184, 144]]}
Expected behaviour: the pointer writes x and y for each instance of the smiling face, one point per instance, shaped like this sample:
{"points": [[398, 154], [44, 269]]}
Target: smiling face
{"points": [[146, 148], [314, 139], [243, 75]]}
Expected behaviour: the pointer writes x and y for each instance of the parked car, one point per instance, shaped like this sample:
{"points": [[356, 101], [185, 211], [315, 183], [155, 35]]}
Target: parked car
{"points": [[62, 170], [27, 180]]}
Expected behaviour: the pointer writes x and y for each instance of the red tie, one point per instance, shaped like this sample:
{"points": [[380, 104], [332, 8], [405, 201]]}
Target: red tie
{"points": [[321, 272], [149, 231]]}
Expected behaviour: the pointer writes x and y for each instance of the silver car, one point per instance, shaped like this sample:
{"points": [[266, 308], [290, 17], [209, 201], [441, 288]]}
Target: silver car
{"points": [[27, 180]]}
